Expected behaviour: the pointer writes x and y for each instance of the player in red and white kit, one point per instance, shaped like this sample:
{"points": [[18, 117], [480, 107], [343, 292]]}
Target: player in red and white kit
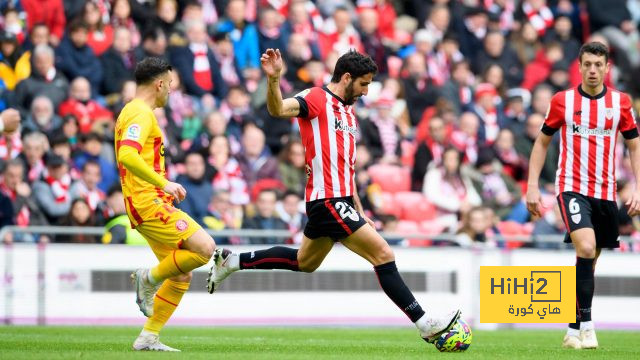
{"points": [[328, 127], [589, 118]]}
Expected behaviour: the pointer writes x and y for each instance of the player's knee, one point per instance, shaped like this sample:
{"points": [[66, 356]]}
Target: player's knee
{"points": [[307, 266], [384, 255], [586, 251], [185, 278]]}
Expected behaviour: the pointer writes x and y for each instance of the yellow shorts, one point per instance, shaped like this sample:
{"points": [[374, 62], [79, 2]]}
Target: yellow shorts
{"points": [[164, 226]]}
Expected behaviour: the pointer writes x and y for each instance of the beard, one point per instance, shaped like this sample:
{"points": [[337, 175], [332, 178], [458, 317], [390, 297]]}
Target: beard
{"points": [[349, 98]]}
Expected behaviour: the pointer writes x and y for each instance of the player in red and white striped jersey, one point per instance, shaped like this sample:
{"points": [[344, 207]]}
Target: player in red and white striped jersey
{"points": [[588, 118], [328, 128]]}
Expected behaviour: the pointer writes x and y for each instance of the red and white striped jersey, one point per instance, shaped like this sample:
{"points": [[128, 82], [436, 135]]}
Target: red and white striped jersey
{"points": [[589, 128], [328, 129]]}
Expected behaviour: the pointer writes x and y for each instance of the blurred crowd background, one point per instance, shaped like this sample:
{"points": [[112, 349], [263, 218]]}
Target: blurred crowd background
{"points": [[445, 131]]}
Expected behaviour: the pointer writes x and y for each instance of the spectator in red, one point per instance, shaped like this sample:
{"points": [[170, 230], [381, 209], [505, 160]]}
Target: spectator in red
{"points": [[538, 70], [513, 164], [386, 16], [340, 36], [48, 12], [438, 21], [305, 20], [90, 114], [52, 189], [36, 145], [465, 137], [100, 35]]}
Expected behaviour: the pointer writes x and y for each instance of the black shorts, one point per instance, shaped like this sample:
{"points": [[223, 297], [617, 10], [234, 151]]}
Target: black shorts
{"points": [[579, 211], [336, 218]]}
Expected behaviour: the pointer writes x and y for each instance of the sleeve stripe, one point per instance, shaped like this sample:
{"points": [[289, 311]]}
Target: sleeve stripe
{"points": [[130, 143], [548, 130], [304, 108]]}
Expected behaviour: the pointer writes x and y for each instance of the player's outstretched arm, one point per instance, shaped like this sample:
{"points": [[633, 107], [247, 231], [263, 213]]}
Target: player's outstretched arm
{"points": [[538, 154], [633, 204], [271, 62], [130, 158]]}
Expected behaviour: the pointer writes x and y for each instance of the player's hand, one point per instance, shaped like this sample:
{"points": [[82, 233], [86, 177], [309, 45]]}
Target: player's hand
{"points": [[271, 62], [11, 119], [633, 204], [176, 190], [534, 201]]}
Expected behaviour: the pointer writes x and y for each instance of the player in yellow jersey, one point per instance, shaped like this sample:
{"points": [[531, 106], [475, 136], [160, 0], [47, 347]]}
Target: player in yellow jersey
{"points": [[178, 242]]}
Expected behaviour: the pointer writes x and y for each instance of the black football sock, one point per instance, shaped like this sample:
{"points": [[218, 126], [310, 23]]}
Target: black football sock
{"points": [[584, 287], [277, 257], [397, 291]]}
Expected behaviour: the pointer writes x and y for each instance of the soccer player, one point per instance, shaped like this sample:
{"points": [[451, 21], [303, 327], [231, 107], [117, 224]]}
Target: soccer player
{"points": [[328, 128], [589, 118], [178, 242]]}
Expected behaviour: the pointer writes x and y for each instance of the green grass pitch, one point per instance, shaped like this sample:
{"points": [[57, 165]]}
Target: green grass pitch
{"points": [[104, 343]]}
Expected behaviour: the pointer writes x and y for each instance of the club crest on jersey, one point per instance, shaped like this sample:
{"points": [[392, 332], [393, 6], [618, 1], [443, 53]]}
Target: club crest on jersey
{"points": [[181, 225], [133, 132], [608, 113], [341, 125]]}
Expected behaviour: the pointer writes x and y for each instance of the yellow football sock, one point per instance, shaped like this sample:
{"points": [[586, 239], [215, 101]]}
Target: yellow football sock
{"points": [[177, 263], [167, 299]]}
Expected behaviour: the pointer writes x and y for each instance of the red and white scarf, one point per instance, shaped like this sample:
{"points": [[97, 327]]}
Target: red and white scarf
{"points": [[59, 188], [10, 147], [35, 171], [541, 19], [201, 66]]}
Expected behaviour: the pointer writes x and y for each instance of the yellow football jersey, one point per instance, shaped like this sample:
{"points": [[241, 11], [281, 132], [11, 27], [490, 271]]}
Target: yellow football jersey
{"points": [[138, 127]]}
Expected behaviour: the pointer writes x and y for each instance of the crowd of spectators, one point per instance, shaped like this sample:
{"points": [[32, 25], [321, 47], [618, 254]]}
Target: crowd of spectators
{"points": [[462, 91]]}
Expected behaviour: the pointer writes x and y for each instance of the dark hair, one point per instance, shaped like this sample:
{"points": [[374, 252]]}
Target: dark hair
{"points": [[355, 64], [149, 69], [290, 192], [91, 136], [152, 33], [59, 139], [595, 48], [90, 162], [115, 188], [78, 24]]}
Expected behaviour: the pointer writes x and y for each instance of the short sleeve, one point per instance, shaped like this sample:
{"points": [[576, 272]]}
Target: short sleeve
{"points": [[311, 102], [627, 126], [136, 129], [554, 119]]}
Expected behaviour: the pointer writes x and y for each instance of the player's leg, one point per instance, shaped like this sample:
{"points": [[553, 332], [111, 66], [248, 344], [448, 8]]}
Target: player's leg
{"points": [[166, 301], [576, 211], [306, 259], [367, 243]]}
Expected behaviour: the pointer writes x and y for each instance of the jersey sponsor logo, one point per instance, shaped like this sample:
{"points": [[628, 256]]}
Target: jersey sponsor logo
{"points": [[181, 225], [342, 125], [133, 132], [583, 130]]}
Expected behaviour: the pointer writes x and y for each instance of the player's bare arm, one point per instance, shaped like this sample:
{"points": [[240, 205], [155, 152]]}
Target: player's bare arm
{"points": [[536, 162], [633, 204], [272, 64]]}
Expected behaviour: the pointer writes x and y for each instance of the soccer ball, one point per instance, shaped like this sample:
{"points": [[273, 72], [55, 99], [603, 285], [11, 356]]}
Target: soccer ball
{"points": [[457, 339]]}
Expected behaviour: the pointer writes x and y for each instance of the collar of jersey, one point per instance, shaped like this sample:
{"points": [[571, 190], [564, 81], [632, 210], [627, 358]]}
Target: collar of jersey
{"points": [[602, 93], [325, 88]]}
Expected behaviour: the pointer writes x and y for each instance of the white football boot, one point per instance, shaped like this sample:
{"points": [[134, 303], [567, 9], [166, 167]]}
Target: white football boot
{"points": [[432, 328], [589, 339], [150, 342], [571, 342], [220, 269], [145, 291]]}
